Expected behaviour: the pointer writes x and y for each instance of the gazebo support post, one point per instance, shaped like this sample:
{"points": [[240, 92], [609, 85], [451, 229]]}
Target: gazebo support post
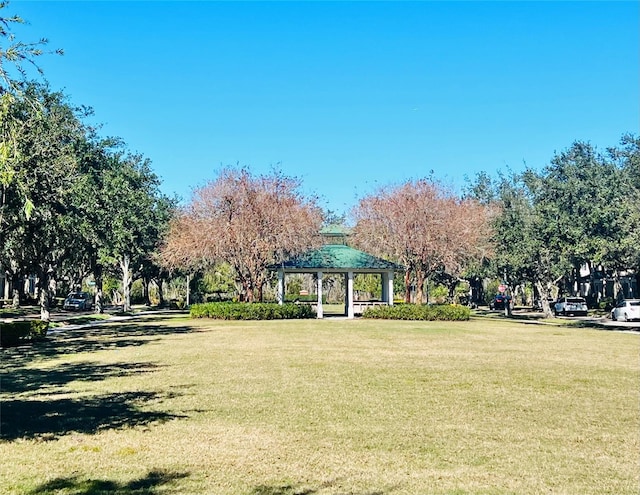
{"points": [[319, 312], [385, 287], [345, 282], [280, 295], [350, 312], [387, 283]]}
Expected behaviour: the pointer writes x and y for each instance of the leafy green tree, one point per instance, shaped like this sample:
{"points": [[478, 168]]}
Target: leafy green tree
{"points": [[15, 57], [582, 209], [520, 250], [368, 283], [136, 218], [36, 239], [582, 203], [624, 251], [213, 282], [69, 202], [88, 212]]}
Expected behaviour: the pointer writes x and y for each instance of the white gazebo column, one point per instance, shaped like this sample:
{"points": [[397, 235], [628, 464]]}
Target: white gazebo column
{"points": [[390, 288], [280, 295], [345, 282], [350, 313], [385, 287], [319, 311]]}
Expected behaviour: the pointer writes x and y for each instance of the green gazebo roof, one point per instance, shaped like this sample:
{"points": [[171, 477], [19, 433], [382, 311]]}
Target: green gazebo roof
{"points": [[337, 257]]}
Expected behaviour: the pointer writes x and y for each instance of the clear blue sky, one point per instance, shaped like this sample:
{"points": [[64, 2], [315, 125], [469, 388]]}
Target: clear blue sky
{"points": [[347, 96]]}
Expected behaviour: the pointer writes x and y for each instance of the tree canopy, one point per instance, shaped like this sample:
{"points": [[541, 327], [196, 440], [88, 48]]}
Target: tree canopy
{"points": [[247, 221], [425, 227], [580, 210]]}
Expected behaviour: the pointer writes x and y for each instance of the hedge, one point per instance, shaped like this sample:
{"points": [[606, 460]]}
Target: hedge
{"points": [[251, 311], [448, 312], [20, 332]]}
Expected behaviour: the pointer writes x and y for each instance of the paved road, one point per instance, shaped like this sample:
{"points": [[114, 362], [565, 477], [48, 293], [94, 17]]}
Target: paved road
{"points": [[604, 322]]}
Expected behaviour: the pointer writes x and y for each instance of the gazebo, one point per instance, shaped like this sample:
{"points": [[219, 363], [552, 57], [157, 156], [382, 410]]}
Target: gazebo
{"points": [[339, 259]]}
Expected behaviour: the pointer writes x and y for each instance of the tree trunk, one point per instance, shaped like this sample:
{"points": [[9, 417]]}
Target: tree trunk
{"points": [[477, 292], [97, 275], [99, 306], [260, 290], [249, 293], [160, 285], [617, 287], [407, 285], [546, 308], [16, 281], [15, 300], [420, 279], [187, 301], [145, 291], [45, 313], [246, 294], [508, 305], [125, 263], [47, 291]]}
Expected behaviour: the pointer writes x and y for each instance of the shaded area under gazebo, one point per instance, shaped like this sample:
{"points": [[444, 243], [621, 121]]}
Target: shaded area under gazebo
{"points": [[339, 259]]}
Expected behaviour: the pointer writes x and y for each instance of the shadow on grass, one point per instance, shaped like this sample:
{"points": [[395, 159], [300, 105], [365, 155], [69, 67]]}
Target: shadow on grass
{"points": [[86, 319], [611, 326], [36, 401], [533, 316], [157, 481], [292, 490], [281, 490], [50, 380], [51, 418], [89, 339]]}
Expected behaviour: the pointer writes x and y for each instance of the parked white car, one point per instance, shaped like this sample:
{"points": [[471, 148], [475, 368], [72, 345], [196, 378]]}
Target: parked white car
{"points": [[571, 306], [627, 310]]}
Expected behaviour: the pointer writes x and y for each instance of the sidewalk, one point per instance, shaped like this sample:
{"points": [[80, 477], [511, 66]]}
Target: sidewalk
{"points": [[65, 320]]}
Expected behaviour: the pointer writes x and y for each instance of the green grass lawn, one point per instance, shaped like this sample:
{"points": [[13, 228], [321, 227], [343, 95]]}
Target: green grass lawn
{"points": [[179, 406]]}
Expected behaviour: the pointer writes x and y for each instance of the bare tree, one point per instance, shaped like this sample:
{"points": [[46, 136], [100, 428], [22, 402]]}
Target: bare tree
{"points": [[248, 221], [425, 227]]}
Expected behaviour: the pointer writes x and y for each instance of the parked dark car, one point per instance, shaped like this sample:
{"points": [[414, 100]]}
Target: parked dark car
{"points": [[499, 301], [576, 306], [78, 301]]}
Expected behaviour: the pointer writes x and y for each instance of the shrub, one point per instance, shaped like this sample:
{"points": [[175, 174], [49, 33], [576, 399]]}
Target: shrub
{"points": [[251, 311], [445, 312], [19, 332]]}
